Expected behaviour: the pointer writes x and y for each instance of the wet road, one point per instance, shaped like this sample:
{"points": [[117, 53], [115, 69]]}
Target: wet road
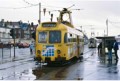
{"points": [[90, 69]]}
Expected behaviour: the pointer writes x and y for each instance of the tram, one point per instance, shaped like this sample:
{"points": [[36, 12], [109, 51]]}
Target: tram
{"points": [[58, 42], [92, 43]]}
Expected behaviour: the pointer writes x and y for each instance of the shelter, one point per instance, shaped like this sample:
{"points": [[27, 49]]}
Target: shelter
{"points": [[105, 41]]}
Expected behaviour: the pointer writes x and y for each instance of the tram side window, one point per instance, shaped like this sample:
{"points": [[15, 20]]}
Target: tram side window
{"points": [[54, 36], [65, 38], [42, 37], [69, 37], [74, 38]]}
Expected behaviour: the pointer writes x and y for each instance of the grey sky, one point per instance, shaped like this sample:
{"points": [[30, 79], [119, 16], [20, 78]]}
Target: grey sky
{"points": [[94, 13]]}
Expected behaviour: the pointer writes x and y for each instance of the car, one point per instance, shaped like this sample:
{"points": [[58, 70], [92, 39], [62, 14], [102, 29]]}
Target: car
{"points": [[23, 45]]}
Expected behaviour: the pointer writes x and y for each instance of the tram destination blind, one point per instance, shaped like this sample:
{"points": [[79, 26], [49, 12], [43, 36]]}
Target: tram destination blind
{"points": [[49, 25]]}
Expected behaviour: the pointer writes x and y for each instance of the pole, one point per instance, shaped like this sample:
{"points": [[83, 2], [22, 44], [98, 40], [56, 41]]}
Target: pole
{"points": [[14, 41], [39, 13], [10, 50], [107, 26]]}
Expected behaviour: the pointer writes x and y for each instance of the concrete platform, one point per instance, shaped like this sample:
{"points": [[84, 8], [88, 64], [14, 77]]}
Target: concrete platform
{"points": [[97, 69]]}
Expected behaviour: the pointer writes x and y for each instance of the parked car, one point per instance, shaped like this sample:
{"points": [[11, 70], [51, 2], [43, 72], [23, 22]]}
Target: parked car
{"points": [[23, 45]]}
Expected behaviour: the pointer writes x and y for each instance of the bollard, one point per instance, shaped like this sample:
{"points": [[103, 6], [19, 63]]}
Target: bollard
{"points": [[2, 52], [10, 51], [20, 76], [2, 78], [14, 74]]}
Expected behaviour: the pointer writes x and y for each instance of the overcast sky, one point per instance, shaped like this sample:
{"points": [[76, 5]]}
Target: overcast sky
{"points": [[92, 16]]}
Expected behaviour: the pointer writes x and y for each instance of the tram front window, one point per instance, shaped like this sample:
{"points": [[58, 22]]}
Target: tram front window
{"points": [[54, 37], [42, 38]]}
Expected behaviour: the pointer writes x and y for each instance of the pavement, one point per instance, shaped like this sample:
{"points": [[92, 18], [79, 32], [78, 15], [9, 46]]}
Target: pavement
{"points": [[97, 69], [20, 54]]}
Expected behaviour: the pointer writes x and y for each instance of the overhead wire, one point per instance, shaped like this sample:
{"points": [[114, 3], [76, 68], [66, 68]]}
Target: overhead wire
{"points": [[33, 5], [29, 3], [18, 7], [42, 5], [113, 23]]}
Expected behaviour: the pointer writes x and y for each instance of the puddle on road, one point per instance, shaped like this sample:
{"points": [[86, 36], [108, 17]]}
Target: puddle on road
{"points": [[50, 73]]}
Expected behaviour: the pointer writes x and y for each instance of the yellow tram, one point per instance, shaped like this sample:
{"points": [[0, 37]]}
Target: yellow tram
{"points": [[58, 42]]}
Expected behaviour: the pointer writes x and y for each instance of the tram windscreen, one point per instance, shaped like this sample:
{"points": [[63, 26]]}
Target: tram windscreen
{"points": [[54, 36], [92, 40], [42, 37]]}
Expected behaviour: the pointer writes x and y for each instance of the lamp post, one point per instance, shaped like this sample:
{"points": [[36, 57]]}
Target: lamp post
{"points": [[107, 26]]}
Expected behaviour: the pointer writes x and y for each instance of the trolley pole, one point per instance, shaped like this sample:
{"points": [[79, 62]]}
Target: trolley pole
{"points": [[39, 13]]}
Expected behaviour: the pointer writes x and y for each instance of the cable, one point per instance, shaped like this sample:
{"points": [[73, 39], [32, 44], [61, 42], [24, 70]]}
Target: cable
{"points": [[25, 7], [6, 7], [18, 7], [71, 6], [115, 23], [29, 3], [41, 5]]}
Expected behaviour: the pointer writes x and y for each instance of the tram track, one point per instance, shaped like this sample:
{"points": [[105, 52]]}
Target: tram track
{"points": [[86, 56], [59, 73]]}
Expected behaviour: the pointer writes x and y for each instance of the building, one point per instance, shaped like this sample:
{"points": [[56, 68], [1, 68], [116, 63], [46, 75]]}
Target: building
{"points": [[23, 31]]}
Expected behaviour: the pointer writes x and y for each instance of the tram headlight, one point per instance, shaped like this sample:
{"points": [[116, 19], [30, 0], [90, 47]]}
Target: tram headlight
{"points": [[58, 51], [38, 52]]}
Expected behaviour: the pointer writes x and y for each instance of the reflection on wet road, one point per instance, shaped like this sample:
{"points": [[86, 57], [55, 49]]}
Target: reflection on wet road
{"points": [[91, 68]]}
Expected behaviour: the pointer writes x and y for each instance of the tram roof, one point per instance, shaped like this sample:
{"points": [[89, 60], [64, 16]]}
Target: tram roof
{"points": [[62, 27], [74, 31]]}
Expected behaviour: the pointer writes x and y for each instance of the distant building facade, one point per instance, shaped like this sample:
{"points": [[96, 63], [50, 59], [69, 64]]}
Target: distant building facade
{"points": [[20, 33]]}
